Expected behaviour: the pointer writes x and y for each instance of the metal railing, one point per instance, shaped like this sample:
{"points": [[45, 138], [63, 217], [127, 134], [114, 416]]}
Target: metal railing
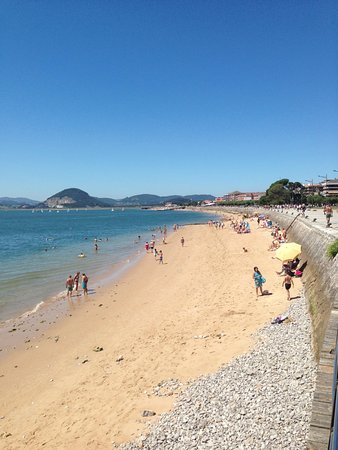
{"points": [[333, 442]]}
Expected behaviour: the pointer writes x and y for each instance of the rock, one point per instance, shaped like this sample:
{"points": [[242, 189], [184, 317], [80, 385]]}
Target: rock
{"points": [[97, 349], [147, 413], [119, 358]]}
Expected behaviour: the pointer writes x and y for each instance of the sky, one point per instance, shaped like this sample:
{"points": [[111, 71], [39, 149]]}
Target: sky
{"points": [[166, 96]]}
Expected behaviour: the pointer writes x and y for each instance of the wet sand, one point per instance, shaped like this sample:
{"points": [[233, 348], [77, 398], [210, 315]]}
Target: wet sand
{"points": [[178, 320]]}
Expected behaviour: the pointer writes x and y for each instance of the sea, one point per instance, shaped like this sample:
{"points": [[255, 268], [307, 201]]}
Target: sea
{"points": [[40, 248]]}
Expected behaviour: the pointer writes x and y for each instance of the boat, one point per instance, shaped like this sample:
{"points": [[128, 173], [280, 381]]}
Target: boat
{"points": [[112, 209]]}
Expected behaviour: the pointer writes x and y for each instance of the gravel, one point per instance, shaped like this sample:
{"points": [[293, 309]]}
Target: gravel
{"points": [[261, 400]]}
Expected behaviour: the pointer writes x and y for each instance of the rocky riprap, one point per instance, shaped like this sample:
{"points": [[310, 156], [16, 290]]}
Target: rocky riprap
{"points": [[261, 400]]}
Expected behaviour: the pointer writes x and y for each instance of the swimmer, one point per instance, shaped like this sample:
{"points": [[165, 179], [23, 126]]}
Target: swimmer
{"points": [[81, 255]]}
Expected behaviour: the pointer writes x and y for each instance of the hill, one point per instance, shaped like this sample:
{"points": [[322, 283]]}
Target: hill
{"points": [[72, 198], [76, 198], [17, 202], [152, 200]]}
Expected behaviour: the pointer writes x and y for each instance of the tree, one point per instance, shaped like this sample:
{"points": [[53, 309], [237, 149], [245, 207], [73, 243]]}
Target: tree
{"points": [[283, 191]]}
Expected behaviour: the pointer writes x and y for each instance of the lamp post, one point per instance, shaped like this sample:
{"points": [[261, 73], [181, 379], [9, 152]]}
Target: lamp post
{"points": [[322, 176]]}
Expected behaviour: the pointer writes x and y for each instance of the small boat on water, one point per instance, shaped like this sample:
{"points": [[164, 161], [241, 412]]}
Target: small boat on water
{"points": [[112, 209]]}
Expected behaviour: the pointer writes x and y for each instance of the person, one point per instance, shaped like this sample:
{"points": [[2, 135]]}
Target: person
{"points": [[287, 282], [76, 281], [328, 211], [146, 246], [69, 286], [96, 247], [81, 255], [160, 257], [294, 263], [182, 241], [259, 280], [84, 284]]}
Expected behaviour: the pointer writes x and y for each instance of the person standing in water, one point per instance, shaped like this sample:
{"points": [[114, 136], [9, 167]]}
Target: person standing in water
{"points": [[69, 286], [84, 284], [76, 281]]}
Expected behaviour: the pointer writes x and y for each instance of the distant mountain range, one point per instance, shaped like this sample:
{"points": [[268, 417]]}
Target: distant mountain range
{"points": [[15, 202], [76, 198]]}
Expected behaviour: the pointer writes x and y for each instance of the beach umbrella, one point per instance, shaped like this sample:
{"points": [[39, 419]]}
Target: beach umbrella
{"points": [[289, 251]]}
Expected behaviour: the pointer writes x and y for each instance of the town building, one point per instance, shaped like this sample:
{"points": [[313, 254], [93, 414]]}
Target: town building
{"points": [[313, 189], [330, 188], [237, 196]]}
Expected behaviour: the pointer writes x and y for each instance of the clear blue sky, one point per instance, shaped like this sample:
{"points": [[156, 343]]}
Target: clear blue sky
{"points": [[166, 96]]}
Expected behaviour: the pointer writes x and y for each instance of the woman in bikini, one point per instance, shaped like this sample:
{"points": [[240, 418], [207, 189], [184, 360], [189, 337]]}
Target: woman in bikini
{"points": [[287, 282]]}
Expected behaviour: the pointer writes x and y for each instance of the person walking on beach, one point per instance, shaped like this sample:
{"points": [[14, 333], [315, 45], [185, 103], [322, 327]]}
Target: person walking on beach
{"points": [[84, 284], [259, 280], [182, 241], [69, 286], [287, 282], [76, 281], [160, 257]]}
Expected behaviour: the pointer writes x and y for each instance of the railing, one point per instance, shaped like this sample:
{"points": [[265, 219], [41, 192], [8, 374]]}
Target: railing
{"points": [[333, 442]]}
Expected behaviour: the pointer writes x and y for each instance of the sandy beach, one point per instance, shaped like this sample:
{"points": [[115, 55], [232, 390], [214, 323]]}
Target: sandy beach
{"points": [[178, 320]]}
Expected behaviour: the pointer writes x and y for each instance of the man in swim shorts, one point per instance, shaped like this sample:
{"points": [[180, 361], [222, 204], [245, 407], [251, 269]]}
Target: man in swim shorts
{"points": [[69, 286], [328, 211], [84, 284]]}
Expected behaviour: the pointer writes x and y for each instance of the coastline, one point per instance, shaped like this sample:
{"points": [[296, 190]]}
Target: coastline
{"points": [[180, 320]]}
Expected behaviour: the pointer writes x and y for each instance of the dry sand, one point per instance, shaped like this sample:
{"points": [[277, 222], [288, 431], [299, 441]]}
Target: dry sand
{"points": [[60, 394]]}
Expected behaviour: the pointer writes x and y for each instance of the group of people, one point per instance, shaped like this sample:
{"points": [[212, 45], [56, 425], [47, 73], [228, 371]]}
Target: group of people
{"points": [[240, 227], [72, 284], [260, 280], [289, 268], [279, 237]]}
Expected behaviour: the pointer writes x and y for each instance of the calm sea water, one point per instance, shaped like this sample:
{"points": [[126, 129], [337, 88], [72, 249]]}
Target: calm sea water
{"points": [[39, 250]]}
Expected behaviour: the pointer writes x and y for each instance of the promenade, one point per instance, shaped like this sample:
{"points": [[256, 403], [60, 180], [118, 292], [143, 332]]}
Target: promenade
{"points": [[316, 215]]}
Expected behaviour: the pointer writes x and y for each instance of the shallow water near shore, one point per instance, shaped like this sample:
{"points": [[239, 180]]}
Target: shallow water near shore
{"points": [[39, 250]]}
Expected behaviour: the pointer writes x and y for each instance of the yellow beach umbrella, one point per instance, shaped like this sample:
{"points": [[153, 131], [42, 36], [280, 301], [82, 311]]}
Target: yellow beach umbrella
{"points": [[289, 251]]}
